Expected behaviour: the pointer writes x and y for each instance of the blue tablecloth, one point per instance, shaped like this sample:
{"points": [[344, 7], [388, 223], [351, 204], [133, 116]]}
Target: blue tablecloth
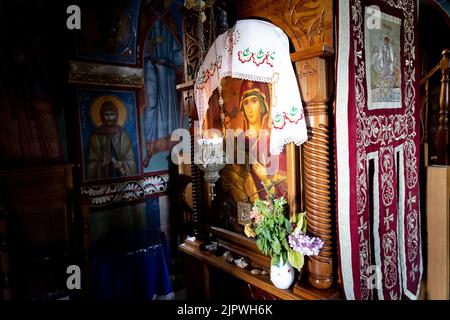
{"points": [[131, 267]]}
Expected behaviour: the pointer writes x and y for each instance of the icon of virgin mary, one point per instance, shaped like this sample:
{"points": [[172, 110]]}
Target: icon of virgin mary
{"points": [[245, 181]]}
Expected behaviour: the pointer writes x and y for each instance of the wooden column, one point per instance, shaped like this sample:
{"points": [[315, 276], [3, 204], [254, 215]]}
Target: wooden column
{"points": [[315, 77], [198, 198], [442, 134], [198, 192], [192, 60]]}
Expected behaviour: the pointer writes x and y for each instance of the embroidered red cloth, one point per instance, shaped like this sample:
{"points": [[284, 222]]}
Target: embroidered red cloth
{"points": [[377, 149]]}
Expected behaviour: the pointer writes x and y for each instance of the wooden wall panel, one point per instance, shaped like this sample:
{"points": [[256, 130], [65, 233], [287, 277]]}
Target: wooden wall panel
{"points": [[438, 227], [37, 201]]}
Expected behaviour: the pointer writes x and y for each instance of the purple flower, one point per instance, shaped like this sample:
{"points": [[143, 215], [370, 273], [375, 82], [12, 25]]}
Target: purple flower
{"points": [[306, 245]]}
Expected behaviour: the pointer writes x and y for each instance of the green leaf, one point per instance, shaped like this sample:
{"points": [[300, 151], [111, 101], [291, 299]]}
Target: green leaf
{"points": [[259, 244], [305, 224], [275, 259], [284, 255], [267, 234], [293, 219], [288, 226], [276, 246], [296, 259], [266, 246], [285, 244], [301, 223]]}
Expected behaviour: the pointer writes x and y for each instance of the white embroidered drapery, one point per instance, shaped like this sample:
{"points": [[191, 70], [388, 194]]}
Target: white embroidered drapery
{"points": [[258, 51]]}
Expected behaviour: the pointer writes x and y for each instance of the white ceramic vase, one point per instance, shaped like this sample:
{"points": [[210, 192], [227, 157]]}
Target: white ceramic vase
{"points": [[282, 275]]}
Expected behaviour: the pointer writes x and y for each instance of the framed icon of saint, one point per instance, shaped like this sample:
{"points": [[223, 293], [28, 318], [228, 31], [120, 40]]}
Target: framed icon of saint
{"points": [[108, 129]]}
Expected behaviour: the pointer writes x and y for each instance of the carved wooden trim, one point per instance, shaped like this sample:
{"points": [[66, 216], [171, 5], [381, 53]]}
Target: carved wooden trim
{"points": [[191, 42], [191, 46], [308, 23], [105, 75]]}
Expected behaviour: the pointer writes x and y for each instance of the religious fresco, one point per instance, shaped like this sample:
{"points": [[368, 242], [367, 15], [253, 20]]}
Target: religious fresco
{"points": [[109, 31], [109, 140], [163, 59], [382, 50], [247, 110]]}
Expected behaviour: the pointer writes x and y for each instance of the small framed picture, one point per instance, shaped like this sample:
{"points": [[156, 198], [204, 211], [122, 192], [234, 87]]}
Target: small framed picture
{"points": [[243, 212]]}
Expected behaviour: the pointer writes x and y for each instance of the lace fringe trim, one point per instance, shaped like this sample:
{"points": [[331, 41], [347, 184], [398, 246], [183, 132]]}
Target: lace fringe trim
{"points": [[244, 76], [278, 148]]}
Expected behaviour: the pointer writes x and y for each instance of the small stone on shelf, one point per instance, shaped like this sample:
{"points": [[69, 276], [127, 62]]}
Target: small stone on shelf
{"points": [[241, 262], [256, 271], [228, 257]]}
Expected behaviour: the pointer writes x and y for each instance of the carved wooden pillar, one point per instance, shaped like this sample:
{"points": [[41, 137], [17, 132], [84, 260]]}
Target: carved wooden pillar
{"points": [[314, 78], [192, 60], [198, 192], [442, 134], [198, 197]]}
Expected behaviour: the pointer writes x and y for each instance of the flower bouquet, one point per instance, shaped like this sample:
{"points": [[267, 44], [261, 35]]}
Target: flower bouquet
{"points": [[283, 239]]}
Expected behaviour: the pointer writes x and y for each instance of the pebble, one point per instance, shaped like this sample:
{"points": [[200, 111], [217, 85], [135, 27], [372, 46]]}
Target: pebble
{"points": [[241, 262], [228, 257], [256, 271]]}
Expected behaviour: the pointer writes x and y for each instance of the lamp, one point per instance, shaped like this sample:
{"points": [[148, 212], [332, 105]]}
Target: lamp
{"points": [[209, 155], [211, 159]]}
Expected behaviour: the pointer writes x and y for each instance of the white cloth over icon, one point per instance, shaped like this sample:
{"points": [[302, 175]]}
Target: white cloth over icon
{"points": [[258, 51]]}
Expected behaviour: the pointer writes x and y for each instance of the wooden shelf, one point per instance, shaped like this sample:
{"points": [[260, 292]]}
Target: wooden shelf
{"points": [[261, 281], [185, 85]]}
